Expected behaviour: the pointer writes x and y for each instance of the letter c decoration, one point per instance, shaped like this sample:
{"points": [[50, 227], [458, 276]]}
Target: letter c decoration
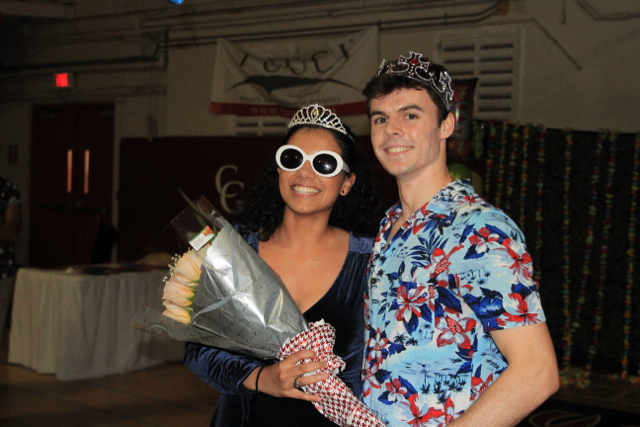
{"points": [[225, 194]]}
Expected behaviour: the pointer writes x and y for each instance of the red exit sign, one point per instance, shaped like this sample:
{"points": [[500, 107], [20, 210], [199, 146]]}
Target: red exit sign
{"points": [[64, 80]]}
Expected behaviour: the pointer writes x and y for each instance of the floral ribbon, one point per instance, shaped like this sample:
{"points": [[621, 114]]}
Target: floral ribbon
{"points": [[525, 175], [628, 295], [579, 376], [539, 201], [339, 404], [566, 266], [489, 161], [511, 175], [501, 162], [606, 232]]}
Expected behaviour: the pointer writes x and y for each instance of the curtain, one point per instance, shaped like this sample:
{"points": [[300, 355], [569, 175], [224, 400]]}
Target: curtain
{"points": [[574, 195]]}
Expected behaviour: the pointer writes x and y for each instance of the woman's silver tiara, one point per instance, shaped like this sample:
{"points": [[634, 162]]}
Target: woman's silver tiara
{"points": [[317, 115], [416, 67]]}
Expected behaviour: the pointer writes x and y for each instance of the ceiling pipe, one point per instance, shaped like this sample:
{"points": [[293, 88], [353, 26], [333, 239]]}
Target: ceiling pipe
{"points": [[36, 10], [335, 7], [389, 25], [157, 60], [278, 19], [269, 35], [175, 23], [593, 13]]}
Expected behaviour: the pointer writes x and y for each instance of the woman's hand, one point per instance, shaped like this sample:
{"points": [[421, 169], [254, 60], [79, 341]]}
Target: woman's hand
{"points": [[277, 380]]}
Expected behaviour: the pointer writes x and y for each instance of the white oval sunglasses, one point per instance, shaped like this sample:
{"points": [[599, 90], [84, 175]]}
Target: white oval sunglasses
{"points": [[324, 163]]}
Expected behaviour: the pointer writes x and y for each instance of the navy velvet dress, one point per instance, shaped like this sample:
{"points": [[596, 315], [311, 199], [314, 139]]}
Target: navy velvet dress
{"points": [[342, 306]]}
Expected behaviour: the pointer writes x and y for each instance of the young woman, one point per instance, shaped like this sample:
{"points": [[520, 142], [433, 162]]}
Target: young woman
{"points": [[305, 219]]}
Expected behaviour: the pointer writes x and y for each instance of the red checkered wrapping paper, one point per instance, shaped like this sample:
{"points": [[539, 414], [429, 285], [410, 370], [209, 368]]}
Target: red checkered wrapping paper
{"points": [[338, 401]]}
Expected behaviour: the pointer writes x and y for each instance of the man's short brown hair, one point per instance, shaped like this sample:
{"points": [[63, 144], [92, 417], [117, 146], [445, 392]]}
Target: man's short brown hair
{"points": [[385, 84]]}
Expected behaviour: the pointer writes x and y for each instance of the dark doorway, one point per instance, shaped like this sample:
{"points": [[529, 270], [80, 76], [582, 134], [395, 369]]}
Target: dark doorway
{"points": [[71, 183]]}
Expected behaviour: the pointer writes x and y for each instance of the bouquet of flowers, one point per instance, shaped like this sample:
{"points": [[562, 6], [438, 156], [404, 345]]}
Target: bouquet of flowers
{"points": [[219, 292]]}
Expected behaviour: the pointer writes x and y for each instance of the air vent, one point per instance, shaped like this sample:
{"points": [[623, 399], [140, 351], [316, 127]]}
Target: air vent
{"points": [[494, 61]]}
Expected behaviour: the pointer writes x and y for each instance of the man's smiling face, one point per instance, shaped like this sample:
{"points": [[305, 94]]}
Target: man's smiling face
{"points": [[405, 133]]}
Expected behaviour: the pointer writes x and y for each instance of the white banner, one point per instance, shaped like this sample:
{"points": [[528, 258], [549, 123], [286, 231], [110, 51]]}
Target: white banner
{"points": [[277, 79]]}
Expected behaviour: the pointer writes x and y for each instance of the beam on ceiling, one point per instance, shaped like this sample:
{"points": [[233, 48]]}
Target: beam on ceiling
{"points": [[35, 10]]}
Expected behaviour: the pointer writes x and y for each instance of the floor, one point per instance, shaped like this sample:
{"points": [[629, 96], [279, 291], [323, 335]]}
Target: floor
{"points": [[605, 393], [164, 396], [170, 396]]}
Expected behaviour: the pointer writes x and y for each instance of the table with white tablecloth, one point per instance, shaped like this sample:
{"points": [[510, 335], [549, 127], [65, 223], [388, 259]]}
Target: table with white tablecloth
{"points": [[76, 325]]}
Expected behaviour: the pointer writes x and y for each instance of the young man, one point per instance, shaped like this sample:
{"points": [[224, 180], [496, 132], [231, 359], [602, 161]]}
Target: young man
{"points": [[455, 331]]}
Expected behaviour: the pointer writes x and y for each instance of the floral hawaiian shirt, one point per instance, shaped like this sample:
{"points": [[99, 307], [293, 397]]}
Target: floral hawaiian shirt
{"points": [[457, 269]]}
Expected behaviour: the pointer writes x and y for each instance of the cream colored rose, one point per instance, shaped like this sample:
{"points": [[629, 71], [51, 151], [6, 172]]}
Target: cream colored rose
{"points": [[178, 282], [188, 267], [180, 289], [177, 313], [178, 292]]}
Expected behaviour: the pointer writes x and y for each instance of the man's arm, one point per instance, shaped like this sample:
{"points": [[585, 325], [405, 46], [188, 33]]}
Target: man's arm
{"points": [[532, 376], [10, 230]]}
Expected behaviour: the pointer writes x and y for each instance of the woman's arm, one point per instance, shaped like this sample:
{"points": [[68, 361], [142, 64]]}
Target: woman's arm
{"points": [[232, 373], [222, 370]]}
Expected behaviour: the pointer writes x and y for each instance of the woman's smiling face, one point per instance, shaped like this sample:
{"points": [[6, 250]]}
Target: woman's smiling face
{"points": [[303, 190]]}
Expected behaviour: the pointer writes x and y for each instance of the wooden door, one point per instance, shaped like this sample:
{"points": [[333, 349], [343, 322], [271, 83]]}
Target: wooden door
{"points": [[71, 181]]}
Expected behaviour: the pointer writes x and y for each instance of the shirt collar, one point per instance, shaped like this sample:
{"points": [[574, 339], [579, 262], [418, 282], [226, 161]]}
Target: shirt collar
{"points": [[441, 203], [454, 192]]}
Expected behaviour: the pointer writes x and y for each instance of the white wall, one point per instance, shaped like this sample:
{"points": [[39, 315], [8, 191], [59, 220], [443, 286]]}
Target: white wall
{"points": [[583, 73], [604, 93], [189, 77]]}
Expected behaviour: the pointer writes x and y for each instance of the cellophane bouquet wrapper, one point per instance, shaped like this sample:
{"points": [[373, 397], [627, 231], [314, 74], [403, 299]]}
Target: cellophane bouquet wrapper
{"points": [[240, 304]]}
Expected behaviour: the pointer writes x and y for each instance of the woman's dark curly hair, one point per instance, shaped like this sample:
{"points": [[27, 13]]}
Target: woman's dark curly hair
{"points": [[358, 211]]}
